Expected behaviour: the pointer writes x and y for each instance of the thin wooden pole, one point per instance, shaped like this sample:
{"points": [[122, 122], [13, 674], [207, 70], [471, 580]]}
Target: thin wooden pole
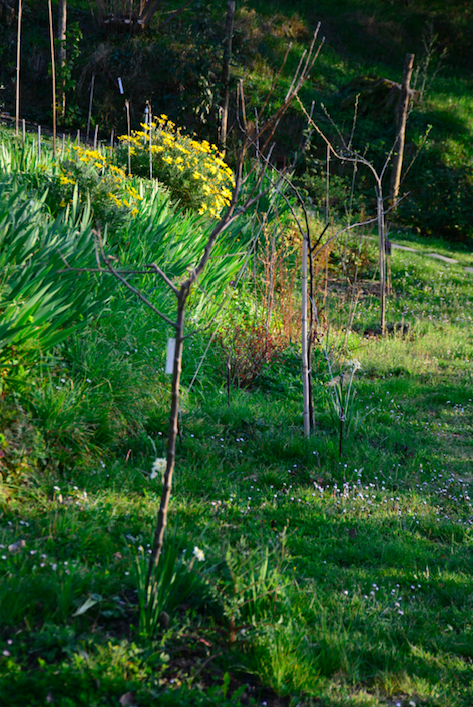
{"points": [[401, 129], [53, 72], [127, 106], [95, 136], [39, 142], [18, 57], [150, 120], [61, 36], [227, 54], [304, 341], [91, 98], [327, 187], [382, 261]]}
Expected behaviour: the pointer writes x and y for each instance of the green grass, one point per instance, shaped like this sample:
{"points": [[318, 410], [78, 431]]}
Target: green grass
{"points": [[370, 555]]}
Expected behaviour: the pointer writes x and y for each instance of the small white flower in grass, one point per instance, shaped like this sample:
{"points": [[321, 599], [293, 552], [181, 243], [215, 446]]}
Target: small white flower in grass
{"points": [[198, 553], [159, 467]]}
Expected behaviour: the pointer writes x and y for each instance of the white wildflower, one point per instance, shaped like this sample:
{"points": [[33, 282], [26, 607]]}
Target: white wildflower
{"points": [[198, 554], [159, 467]]}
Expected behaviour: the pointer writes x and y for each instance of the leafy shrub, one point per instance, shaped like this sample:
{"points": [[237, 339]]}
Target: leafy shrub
{"points": [[248, 348], [194, 171], [112, 195]]}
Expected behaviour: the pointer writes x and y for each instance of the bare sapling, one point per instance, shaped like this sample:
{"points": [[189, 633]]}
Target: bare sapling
{"points": [[347, 154], [258, 141]]}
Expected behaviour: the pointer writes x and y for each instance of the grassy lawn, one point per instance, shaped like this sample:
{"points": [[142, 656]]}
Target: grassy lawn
{"points": [[327, 580]]}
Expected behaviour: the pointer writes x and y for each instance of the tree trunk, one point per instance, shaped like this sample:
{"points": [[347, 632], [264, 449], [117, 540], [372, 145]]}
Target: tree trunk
{"points": [[61, 54], [172, 435], [401, 129], [227, 54]]}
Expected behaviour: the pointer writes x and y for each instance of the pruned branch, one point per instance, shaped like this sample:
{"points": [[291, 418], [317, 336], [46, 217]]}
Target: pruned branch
{"points": [[119, 277]]}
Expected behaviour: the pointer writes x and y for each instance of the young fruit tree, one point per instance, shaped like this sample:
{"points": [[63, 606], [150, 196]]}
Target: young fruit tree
{"points": [[248, 190]]}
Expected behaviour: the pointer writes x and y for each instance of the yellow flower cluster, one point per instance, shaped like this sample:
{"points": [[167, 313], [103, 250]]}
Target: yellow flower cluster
{"points": [[194, 170], [110, 178], [94, 156]]}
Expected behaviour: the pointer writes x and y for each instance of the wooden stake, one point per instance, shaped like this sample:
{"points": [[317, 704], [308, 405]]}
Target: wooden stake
{"points": [[95, 136], [401, 130], [90, 104], [382, 262], [53, 73], [18, 57], [61, 36], [127, 106], [305, 362], [149, 114], [327, 187], [227, 54]]}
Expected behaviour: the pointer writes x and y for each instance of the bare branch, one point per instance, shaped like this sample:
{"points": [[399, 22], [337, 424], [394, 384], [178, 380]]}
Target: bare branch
{"points": [[164, 277], [136, 292]]}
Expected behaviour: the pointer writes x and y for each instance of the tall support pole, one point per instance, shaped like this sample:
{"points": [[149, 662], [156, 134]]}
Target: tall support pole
{"points": [[382, 260], [91, 98], [61, 37], [53, 72], [150, 137], [18, 57], [227, 54], [128, 128], [304, 338], [327, 187], [401, 129]]}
